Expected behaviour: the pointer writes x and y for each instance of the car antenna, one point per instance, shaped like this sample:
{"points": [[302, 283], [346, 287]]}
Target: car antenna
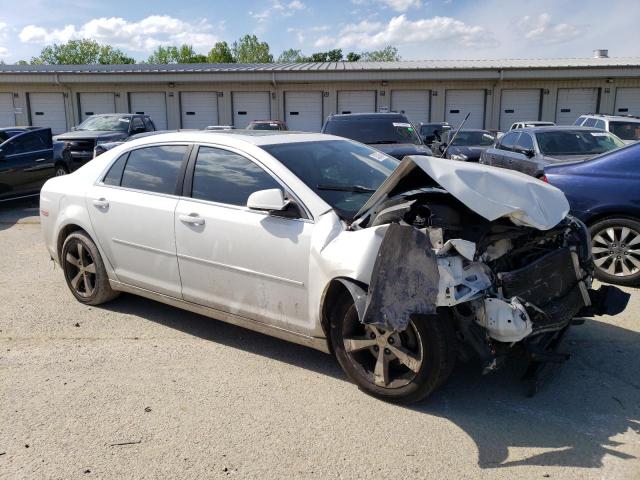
{"points": [[444, 152]]}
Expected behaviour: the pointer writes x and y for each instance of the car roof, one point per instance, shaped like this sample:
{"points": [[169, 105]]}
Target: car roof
{"points": [[366, 116], [556, 128], [604, 116], [231, 137], [266, 121]]}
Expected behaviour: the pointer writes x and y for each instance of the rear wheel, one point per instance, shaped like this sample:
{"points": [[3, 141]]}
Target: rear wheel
{"points": [[61, 170], [395, 366], [616, 250], [84, 270]]}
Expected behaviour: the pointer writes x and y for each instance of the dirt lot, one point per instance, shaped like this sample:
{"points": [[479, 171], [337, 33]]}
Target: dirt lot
{"points": [[136, 389]]}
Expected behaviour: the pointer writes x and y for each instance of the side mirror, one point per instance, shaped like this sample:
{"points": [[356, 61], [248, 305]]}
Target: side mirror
{"points": [[270, 200]]}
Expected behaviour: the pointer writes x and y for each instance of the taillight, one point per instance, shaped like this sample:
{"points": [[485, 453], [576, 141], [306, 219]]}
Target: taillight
{"points": [[544, 179]]}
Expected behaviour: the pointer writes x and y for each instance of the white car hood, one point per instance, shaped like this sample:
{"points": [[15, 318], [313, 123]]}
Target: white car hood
{"points": [[489, 191]]}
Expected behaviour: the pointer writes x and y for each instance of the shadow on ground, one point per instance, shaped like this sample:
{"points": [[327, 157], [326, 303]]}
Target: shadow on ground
{"points": [[19, 211], [573, 421]]}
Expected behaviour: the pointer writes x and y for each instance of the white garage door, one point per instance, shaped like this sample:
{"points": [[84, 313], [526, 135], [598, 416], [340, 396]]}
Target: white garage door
{"points": [[627, 101], [153, 104], [460, 102], [519, 106], [412, 103], [248, 106], [357, 101], [96, 103], [303, 111], [198, 109], [7, 112], [47, 110], [573, 102]]}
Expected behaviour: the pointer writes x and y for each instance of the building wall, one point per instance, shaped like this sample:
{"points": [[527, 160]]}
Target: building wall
{"points": [[330, 88]]}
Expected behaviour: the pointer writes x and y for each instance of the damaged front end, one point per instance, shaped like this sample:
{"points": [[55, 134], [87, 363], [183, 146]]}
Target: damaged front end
{"points": [[508, 283]]}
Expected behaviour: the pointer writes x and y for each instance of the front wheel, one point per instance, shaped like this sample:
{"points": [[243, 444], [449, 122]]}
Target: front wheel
{"points": [[400, 367], [616, 250]]}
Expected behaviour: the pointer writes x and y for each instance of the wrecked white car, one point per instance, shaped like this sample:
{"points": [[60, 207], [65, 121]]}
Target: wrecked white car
{"points": [[397, 268]]}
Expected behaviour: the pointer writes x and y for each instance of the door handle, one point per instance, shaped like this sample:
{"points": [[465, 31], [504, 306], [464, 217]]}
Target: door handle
{"points": [[101, 203], [40, 159], [192, 219]]}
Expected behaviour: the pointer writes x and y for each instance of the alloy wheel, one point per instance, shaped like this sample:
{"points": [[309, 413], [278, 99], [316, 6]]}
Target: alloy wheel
{"points": [[616, 251], [80, 269], [387, 358]]}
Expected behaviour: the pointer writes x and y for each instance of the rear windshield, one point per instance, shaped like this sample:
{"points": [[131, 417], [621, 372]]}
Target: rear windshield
{"points": [[575, 142], [374, 131], [625, 130], [263, 126], [470, 139], [105, 123]]}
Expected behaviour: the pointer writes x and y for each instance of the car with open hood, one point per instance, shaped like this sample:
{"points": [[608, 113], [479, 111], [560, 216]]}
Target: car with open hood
{"points": [[397, 268], [391, 133], [529, 150]]}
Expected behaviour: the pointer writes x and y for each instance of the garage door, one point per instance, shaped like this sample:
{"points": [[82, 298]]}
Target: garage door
{"points": [[519, 106], [96, 103], [627, 101], [412, 103], [7, 112], [357, 101], [303, 111], [153, 104], [460, 102], [573, 102], [47, 110], [249, 106], [198, 109]]}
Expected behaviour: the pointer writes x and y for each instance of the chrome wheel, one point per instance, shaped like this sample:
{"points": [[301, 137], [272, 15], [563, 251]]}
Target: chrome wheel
{"points": [[616, 251], [387, 358], [80, 269]]}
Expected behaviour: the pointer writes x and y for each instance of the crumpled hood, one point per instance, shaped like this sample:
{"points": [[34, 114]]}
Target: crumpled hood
{"points": [[105, 135], [401, 150], [489, 191]]}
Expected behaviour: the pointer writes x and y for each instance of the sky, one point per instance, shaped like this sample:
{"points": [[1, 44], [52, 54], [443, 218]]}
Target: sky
{"points": [[420, 29]]}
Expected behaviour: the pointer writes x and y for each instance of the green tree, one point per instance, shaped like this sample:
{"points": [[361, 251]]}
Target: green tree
{"points": [[387, 54], [249, 49], [353, 57], [182, 54], [81, 52], [330, 56], [291, 56], [220, 53]]}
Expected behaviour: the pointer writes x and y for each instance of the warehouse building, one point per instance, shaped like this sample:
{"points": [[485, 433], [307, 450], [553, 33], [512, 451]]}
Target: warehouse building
{"points": [[495, 92]]}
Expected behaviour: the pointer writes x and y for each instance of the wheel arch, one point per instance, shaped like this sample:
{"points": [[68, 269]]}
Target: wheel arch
{"points": [[605, 214], [339, 289], [64, 232]]}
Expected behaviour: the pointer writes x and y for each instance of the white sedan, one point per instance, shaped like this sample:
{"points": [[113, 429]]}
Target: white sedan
{"points": [[398, 268]]}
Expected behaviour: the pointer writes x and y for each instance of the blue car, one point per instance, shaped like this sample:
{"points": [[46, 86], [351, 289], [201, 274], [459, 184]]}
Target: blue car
{"points": [[604, 192]]}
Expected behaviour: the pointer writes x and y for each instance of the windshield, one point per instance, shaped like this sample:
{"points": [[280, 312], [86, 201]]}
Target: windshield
{"points": [[576, 142], [342, 173], [112, 123], [625, 130], [470, 139], [374, 131]]}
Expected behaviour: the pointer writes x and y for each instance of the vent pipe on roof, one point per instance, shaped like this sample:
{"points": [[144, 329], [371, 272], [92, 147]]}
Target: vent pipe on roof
{"points": [[601, 53]]}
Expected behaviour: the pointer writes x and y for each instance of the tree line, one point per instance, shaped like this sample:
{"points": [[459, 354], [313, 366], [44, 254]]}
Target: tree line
{"points": [[247, 49]]}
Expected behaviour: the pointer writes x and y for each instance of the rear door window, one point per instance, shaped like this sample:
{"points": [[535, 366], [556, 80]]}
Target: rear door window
{"points": [[589, 122], [27, 142], [114, 175], [154, 169]]}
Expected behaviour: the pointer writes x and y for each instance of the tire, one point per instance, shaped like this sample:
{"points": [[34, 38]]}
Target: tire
{"points": [[615, 244], [84, 270], [429, 339], [60, 170]]}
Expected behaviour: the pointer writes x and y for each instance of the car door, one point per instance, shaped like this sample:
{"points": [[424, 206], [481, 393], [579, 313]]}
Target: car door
{"points": [[132, 212], [504, 153], [234, 259], [26, 162], [524, 158]]}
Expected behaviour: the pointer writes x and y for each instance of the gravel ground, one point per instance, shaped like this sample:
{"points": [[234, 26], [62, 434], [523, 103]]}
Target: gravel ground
{"points": [[136, 389]]}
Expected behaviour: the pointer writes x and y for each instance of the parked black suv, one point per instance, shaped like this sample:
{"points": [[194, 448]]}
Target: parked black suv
{"points": [[97, 129], [390, 133]]}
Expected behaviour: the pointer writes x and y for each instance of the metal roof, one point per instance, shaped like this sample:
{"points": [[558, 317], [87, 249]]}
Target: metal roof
{"points": [[412, 65]]}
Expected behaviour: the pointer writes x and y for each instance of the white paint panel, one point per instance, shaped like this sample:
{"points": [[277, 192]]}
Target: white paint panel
{"points": [[248, 106], [573, 102], [198, 109], [627, 101], [47, 111], [460, 102], [7, 112], [153, 104], [303, 111], [95, 103], [519, 106], [412, 103], [357, 101]]}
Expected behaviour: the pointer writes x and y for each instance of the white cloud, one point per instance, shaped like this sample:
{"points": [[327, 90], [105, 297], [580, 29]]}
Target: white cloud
{"points": [[284, 10], [145, 35], [397, 5], [401, 31], [4, 52], [542, 29]]}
